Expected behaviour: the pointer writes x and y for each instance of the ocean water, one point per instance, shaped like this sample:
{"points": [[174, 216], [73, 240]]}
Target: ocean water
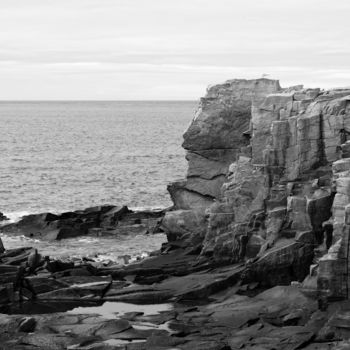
{"points": [[61, 156]]}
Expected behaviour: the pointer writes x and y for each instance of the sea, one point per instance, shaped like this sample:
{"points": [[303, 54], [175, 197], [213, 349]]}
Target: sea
{"points": [[61, 156]]}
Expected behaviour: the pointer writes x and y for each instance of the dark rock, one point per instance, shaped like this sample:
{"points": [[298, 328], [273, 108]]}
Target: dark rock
{"points": [[293, 318], [112, 327], [3, 217], [100, 220], [159, 341], [282, 265], [27, 325], [58, 265], [2, 248], [5, 295], [45, 284], [185, 225]]}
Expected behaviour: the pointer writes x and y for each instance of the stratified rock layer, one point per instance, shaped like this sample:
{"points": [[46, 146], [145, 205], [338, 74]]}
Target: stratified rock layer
{"points": [[215, 137], [270, 170], [100, 220]]}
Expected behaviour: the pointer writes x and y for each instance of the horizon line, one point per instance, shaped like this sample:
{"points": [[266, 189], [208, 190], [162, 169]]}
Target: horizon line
{"points": [[106, 100]]}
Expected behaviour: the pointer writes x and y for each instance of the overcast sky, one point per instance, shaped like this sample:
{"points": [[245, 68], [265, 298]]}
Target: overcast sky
{"points": [[167, 49]]}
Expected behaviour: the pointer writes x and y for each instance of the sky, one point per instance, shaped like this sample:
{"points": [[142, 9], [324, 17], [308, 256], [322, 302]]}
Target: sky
{"points": [[167, 49]]}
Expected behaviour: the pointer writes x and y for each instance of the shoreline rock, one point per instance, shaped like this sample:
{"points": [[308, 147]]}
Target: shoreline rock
{"points": [[258, 239], [281, 198], [101, 220], [211, 308], [3, 217]]}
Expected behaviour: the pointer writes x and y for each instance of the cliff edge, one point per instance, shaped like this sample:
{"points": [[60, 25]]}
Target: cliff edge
{"points": [[268, 183]]}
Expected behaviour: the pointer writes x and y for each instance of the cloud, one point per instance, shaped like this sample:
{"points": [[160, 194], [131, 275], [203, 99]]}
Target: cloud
{"points": [[53, 50]]}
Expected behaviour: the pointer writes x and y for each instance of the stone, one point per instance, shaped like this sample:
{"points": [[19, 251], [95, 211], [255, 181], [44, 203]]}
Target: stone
{"points": [[207, 164], [293, 318], [27, 325], [180, 223], [2, 248], [224, 114], [258, 238], [111, 327], [262, 117], [215, 137], [186, 199], [100, 219], [285, 262], [241, 209], [3, 217], [274, 222]]}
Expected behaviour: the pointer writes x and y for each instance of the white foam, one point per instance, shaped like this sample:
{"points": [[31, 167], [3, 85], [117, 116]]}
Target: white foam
{"points": [[147, 208], [16, 215]]}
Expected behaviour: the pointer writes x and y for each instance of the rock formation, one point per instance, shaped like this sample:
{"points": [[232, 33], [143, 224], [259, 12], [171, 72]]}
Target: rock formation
{"points": [[3, 217], [215, 137], [101, 221], [268, 183], [266, 203]]}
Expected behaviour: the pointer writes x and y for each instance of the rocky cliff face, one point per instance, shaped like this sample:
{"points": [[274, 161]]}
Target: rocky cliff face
{"points": [[215, 137], [268, 183]]}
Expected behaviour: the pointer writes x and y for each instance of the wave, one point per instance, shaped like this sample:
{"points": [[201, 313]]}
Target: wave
{"points": [[16, 215], [102, 249], [148, 208]]}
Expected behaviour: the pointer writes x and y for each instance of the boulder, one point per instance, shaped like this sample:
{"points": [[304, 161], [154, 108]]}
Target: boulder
{"points": [[286, 262], [27, 325], [186, 199], [185, 224], [3, 217]]}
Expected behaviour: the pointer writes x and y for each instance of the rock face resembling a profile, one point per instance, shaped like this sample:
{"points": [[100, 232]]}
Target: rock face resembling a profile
{"points": [[215, 138], [269, 168]]}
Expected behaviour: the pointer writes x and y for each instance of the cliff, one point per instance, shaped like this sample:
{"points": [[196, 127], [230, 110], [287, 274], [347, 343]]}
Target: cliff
{"points": [[268, 183], [266, 203]]}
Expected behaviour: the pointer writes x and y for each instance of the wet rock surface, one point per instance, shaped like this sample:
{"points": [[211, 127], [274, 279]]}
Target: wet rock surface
{"points": [[207, 307]]}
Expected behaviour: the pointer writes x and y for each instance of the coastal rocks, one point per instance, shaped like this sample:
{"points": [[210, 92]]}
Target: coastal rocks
{"points": [[99, 220], [265, 171], [186, 199], [280, 316], [2, 248], [27, 325], [215, 138], [185, 225], [287, 261], [224, 114], [3, 217], [234, 219], [266, 203], [217, 135], [308, 134], [263, 115], [333, 265], [211, 308]]}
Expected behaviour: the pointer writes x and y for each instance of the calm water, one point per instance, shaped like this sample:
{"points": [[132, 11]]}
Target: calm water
{"points": [[60, 156]]}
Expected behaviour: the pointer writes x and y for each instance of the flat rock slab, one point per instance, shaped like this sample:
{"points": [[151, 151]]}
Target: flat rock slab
{"points": [[201, 285], [177, 262], [228, 321], [274, 303]]}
